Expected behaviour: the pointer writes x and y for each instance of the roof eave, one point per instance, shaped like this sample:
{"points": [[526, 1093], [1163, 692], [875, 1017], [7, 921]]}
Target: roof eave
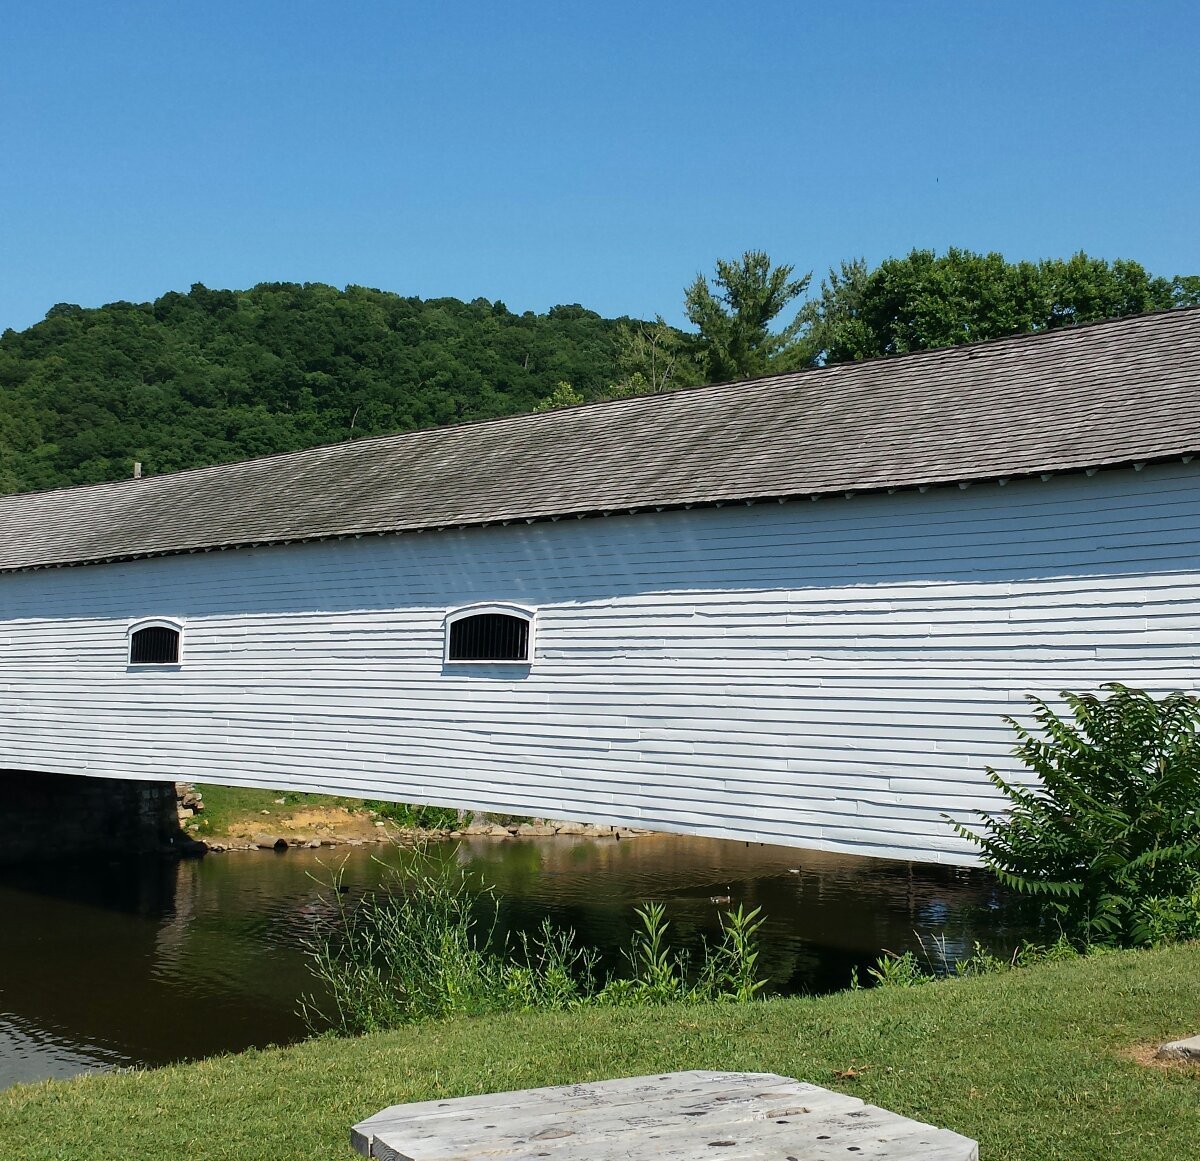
{"points": [[733, 499]]}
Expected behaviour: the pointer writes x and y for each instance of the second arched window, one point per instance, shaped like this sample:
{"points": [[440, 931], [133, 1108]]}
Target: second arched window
{"points": [[154, 645], [489, 636]]}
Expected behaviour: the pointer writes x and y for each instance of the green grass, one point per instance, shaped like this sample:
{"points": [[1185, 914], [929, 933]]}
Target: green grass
{"points": [[229, 806], [1030, 1063]]}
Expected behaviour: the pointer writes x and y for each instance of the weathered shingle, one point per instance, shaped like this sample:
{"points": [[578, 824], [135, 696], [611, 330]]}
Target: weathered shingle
{"points": [[1088, 396]]}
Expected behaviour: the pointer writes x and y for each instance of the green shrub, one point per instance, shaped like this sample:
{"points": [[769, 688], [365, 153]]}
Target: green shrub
{"points": [[1169, 918], [415, 817], [1107, 843], [423, 948]]}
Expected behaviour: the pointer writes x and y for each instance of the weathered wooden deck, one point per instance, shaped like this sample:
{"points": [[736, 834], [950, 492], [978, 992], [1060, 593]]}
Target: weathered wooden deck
{"points": [[681, 1116]]}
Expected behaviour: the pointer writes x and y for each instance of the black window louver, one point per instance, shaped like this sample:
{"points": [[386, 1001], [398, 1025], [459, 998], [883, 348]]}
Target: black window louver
{"points": [[489, 637], [154, 645]]}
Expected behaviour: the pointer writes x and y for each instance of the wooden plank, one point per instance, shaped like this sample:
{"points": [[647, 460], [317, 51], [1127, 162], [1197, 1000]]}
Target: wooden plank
{"points": [[670, 1117]]}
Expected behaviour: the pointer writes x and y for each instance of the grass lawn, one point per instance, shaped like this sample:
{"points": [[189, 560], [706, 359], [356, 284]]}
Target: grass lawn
{"points": [[1030, 1063]]}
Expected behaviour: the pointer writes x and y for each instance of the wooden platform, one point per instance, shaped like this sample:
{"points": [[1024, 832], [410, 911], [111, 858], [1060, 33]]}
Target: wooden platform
{"points": [[680, 1116]]}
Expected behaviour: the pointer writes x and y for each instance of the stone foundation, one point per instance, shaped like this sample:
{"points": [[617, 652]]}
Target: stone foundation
{"points": [[49, 816]]}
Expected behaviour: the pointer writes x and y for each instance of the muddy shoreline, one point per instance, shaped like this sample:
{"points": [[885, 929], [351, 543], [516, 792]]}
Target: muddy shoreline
{"points": [[310, 826]]}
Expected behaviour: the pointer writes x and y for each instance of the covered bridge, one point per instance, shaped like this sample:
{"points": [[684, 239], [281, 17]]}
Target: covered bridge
{"points": [[792, 610]]}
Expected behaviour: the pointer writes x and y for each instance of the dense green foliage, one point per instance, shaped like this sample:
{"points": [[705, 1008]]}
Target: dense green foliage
{"points": [[1032, 1064], [425, 947], [218, 375], [414, 817], [929, 300], [1107, 840]]}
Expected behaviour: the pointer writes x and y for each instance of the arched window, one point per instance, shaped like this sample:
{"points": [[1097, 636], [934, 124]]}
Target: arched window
{"points": [[154, 643], [490, 633]]}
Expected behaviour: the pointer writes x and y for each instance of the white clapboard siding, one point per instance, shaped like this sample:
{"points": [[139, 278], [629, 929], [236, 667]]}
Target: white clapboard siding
{"points": [[830, 674]]}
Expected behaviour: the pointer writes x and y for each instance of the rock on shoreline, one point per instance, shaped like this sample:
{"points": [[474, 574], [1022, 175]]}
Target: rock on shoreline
{"points": [[268, 842]]}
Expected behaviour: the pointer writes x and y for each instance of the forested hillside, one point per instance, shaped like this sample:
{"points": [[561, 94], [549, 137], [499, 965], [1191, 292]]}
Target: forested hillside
{"points": [[218, 375]]}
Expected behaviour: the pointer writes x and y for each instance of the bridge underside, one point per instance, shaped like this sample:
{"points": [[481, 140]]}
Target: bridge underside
{"points": [[44, 816], [56, 815]]}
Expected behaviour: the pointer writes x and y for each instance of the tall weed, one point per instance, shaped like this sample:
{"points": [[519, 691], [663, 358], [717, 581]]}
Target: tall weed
{"points": [[933, 962], [425, 946]]}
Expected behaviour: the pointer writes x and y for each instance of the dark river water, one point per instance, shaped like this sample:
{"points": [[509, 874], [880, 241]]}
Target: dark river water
{"points": [[132, 962]]}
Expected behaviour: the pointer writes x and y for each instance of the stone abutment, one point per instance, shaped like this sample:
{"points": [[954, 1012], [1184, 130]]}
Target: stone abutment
{"points": [[65, 815]]}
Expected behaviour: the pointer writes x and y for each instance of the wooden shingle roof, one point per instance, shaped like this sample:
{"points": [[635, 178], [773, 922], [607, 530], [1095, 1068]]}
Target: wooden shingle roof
{"points": [[1090, 396]]}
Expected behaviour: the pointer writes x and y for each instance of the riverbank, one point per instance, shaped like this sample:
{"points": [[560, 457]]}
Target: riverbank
{"points": [[239, 818], [1038, 1065]]}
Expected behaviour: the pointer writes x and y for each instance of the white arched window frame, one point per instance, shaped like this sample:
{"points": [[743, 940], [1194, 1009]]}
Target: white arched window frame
{"points": [[165, 623], [519, 612]]}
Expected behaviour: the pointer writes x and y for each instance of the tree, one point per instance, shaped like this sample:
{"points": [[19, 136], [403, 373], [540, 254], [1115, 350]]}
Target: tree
{"points": [[735, 314], [837, 320], [563, 395], [653, 358], [1185, 290], [928, 300]]}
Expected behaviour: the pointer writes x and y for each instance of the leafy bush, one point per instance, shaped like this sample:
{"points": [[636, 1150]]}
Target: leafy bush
{"points": [[1170, 918], [1108, 842], [426, 947], [417, 817]]}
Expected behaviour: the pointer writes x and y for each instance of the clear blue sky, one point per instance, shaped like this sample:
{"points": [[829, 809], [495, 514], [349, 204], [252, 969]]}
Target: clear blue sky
{"points": [[553, 152]]}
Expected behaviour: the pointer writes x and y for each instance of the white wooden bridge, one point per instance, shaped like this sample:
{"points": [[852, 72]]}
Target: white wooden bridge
{"points": [[793, 611]]}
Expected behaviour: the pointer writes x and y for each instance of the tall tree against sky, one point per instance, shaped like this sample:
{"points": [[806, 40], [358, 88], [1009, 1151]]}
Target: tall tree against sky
{"points": [[734, 317], [927, 300]]}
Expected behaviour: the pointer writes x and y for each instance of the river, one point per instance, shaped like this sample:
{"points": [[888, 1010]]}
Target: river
{"points": [[132, 962]]}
